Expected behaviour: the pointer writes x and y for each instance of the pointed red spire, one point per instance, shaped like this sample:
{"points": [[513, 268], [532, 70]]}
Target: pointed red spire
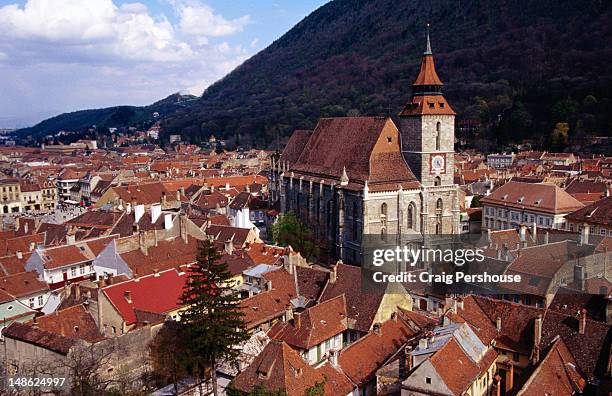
{"points": [[427, 74]]}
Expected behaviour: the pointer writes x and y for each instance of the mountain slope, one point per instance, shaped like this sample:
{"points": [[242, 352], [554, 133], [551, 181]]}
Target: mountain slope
{"points": [[516, 66], [117, 116]]}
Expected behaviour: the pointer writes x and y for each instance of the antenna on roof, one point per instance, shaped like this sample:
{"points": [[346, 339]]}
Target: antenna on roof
{"points": [[428, 49]]}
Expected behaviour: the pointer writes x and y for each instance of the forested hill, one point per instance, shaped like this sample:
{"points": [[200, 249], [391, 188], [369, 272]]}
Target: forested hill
{"points": [[517, 67]]}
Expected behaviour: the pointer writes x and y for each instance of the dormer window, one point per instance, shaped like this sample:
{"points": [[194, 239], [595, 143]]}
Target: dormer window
{"points": [[441, 104], [539, 201], [389, 139], [520, 200], [504, 197], [431, 105]]}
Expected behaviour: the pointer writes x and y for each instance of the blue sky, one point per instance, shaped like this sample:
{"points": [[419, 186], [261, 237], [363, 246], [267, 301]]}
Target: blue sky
{"points": [[66, 55]]}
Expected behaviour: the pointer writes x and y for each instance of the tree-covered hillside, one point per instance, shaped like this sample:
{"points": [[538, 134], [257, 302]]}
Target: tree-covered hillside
{"points": [[536, 69]]}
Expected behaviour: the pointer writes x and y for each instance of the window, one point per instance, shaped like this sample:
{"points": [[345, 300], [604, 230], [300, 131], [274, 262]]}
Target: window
{"points": [[73, 271], [439, 204], [389, 139], [428, 380], [410, 217], [31, 302], [40, 301], [438, 133], [383, 209], [431, 105], [383, 234], [437, 181], [81, 269]]}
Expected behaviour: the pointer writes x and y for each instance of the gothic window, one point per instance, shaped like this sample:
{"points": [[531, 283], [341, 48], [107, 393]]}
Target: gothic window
{"points": [[383, 209], [410, 216], [439, 205], [383, 234], [437, 181], [438, 133], [439, 227]]}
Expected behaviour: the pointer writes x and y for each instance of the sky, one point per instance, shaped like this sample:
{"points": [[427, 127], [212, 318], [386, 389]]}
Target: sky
{"points": [[65, 55]]}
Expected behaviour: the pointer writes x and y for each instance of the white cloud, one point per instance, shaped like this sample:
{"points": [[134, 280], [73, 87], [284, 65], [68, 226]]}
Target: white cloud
{"points": [[93, 53], [197, 19]]}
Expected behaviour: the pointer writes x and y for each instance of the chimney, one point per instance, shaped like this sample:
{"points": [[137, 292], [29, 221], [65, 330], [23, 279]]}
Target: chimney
{"points": [[229, 246], [32, 246], [537, 339], [128, 296], [582, 321], [167, 221], [101, 282], [178, 195], [163, 198], [19, 254], [155, 212], [423, 343], [138, 212], [155, 272], [297, 320], [268, 285], [288, 314], [333, 274], [183, 226], [333, 358], [142, 244], [182, 190], [70, 238], [523, 233], [377, 329], [498, 323], [584, 236]]}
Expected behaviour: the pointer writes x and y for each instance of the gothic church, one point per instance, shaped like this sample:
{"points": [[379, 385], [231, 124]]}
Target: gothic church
{"points": [[356, 176]]}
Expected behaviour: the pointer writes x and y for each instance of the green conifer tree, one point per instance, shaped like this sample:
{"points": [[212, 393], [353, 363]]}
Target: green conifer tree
{"points": [[212, 318]]}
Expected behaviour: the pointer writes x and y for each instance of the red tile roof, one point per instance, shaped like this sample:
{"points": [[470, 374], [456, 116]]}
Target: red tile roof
{"points": [[153, 293]]}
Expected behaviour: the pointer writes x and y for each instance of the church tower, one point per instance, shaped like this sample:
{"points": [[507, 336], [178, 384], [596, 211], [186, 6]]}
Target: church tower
{"points": [[428, 127]]}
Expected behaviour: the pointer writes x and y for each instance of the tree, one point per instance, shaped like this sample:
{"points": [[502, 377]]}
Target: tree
{"points": [[86, 365], [213, 320], [559, 135], [288, 230]]}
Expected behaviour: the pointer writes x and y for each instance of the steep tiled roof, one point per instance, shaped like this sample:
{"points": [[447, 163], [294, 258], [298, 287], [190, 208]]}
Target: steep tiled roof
{"points": [[315, 325], [599, 212], [361, 307], [360, 360], [351, 143], [278, 367], [556, 374], [459, 375], [295, 146], [169, 253]]}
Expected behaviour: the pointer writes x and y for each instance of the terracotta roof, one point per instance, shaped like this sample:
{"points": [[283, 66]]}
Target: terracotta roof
{"points": [[427, 73], [556, 374], [540, 197], [591, 350], [315, 325], [73, 322], [169, 253], [260, 253], [153, 293], [42, 338], [280, 368], [361, 307], [360, 360], [599, 212], [459, 375], [360, 145], [23, 284], [292, 151], [225, 233], [427, 104]]}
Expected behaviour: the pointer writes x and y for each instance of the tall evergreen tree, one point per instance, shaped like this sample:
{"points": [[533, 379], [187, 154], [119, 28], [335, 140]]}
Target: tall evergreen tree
{"points": [[212, 319]]}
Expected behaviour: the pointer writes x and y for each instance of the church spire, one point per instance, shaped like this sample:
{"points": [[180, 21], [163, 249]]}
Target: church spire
{"points": [[428, 49]]}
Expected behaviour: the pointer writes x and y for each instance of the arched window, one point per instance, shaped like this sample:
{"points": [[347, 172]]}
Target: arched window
{"points": [[439, 205], [438, 133], [437, 181], [383, 209], [383, 234], [439, 227], [410, 216]]}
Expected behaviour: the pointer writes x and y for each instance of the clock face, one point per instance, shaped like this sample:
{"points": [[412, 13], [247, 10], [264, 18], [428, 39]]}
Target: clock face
{"points": [[437, 163]]}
